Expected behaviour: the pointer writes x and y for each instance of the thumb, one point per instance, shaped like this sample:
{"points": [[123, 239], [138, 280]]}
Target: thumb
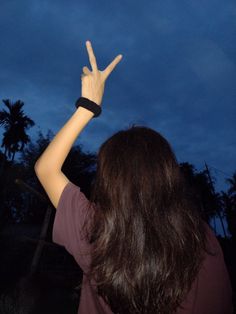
{"points": [[86, 71]]}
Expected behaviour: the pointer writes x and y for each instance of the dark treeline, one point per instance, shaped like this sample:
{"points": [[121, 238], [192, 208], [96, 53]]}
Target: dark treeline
{"points": [[21, 206]]}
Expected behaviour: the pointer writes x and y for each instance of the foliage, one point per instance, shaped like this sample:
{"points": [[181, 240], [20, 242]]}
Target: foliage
{"points": [[202, 191], [15, 123], [12, 200], [228, 203]]}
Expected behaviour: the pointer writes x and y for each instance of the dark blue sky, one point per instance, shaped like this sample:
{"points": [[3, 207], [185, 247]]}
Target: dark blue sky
{"points": [[178, 73]]}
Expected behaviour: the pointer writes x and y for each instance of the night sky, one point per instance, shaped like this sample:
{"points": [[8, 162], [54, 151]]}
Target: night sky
{"points": [[177, 75]]}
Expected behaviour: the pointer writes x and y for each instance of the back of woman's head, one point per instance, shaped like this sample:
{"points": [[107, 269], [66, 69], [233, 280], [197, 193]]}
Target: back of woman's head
{"points": [[147, 237]]}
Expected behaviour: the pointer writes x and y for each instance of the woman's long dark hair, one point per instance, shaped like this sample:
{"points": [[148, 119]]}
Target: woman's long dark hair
{"points": [[148, 238]]}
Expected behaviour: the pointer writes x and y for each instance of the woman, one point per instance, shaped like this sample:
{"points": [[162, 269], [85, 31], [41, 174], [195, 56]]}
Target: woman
{"points": [[140, 242]]}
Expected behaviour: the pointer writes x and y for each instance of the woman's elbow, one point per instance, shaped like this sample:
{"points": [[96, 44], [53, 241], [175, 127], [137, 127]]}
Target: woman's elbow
{"points": [[38, 168]]}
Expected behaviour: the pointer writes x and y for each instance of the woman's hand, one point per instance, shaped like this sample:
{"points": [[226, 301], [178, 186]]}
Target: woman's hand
{"points": [[93, 82]]}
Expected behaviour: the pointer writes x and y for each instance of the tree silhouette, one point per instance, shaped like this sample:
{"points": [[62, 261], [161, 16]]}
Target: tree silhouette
{"points": [[80, 168], [228, 200], [232, 183], [15, 123], [202, 191], [12, 205]]}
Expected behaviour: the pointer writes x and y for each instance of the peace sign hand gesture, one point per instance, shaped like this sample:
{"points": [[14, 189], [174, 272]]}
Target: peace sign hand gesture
{"points": [[93, 82]]}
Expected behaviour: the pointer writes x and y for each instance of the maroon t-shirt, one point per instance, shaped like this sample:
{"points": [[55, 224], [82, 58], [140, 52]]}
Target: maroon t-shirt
{"points": [[210, 292]]}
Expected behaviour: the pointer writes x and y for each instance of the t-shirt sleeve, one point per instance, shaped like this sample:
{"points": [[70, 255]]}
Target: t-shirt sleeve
{"points": [[68, 228]]}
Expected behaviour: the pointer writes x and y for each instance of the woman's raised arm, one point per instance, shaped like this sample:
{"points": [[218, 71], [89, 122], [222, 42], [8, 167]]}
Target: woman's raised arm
{"points": [[48, 166]]}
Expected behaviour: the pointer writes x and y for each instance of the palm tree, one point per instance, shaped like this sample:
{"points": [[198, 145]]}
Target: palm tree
{"points": [[15, 123]]}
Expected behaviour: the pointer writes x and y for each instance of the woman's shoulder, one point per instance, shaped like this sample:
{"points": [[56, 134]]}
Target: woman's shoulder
{"points": [[211, 290], [213, 278]]}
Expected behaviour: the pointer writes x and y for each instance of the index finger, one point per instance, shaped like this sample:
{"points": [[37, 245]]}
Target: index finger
{"points": [[91, 55], [112, 65]]}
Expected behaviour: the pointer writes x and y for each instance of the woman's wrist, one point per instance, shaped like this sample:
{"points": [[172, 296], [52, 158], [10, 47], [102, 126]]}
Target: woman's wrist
{"points": [[87, 114], [89, 105]]}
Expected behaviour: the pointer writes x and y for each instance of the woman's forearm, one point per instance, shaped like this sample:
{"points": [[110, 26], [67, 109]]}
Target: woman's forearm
{"points": [[55, 154]]}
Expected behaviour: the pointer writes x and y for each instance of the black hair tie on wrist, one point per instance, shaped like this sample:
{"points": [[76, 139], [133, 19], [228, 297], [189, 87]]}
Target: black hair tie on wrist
{"points": [[90, 105]]}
